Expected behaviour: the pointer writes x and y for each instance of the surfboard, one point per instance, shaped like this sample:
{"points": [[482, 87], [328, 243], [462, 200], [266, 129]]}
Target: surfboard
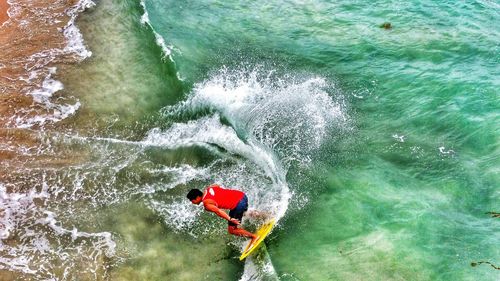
{"points": [[262, 232]]}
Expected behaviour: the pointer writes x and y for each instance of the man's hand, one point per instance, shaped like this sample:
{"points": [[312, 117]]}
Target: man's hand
{"points": [[235, 221], [211, 206]]}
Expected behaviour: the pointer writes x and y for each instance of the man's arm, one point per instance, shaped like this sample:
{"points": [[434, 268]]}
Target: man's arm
{"points": [[212, 207]]}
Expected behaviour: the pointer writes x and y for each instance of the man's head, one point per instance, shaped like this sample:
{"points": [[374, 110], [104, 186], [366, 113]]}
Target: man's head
{"points": [[195, 195]]}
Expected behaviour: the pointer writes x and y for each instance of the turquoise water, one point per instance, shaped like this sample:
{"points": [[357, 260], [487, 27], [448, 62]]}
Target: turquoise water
{"points": [[376, 149], [402, 193]]}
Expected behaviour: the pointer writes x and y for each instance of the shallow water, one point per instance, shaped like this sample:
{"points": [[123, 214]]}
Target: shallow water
{"points": [[377, 150]]}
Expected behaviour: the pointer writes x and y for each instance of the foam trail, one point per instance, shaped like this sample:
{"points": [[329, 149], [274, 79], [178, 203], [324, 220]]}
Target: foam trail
{"points": [[180, 175], [210, 131], [274, 122]]}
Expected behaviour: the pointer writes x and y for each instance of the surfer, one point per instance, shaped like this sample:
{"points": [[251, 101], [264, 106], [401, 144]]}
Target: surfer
{"points": [[216, 198]]}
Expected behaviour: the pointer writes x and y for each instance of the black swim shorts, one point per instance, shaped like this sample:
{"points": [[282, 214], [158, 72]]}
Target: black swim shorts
{"points": [[239, 210]]}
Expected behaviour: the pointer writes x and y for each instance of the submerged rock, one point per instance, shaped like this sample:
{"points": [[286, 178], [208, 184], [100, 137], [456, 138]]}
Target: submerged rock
{"points": [[386, 25]]}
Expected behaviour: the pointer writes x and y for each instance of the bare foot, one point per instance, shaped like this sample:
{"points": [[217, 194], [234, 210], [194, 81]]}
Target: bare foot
{"points": [[254, 238]]}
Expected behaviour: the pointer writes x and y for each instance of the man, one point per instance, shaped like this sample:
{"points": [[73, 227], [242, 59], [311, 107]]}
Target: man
{"points": [[215, 198]]}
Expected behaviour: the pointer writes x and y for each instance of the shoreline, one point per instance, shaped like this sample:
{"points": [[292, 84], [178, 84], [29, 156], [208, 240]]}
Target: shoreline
{"points": [[37, 38]]}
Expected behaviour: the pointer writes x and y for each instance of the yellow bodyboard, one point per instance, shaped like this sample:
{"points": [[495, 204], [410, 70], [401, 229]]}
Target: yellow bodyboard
{"points": [[262, 232]]}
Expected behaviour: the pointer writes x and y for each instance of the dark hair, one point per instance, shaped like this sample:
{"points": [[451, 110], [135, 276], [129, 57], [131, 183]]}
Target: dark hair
{"points": [[194, 193]]}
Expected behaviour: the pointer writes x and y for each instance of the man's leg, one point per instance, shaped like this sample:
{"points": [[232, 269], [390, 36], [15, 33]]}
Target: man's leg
{"points": [[234, 230], [239, 231], [237, 213]]}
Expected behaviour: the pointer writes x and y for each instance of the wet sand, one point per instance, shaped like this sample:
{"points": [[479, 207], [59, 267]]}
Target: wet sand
{"points": [[3, 11], [33, 44]]}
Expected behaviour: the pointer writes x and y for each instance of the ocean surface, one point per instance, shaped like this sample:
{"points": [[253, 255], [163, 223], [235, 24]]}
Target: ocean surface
{"points": [[376, 149]]}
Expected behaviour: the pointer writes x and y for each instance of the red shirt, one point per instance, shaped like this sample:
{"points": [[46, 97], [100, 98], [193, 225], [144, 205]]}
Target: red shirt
{"points": [[224, 198]]}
